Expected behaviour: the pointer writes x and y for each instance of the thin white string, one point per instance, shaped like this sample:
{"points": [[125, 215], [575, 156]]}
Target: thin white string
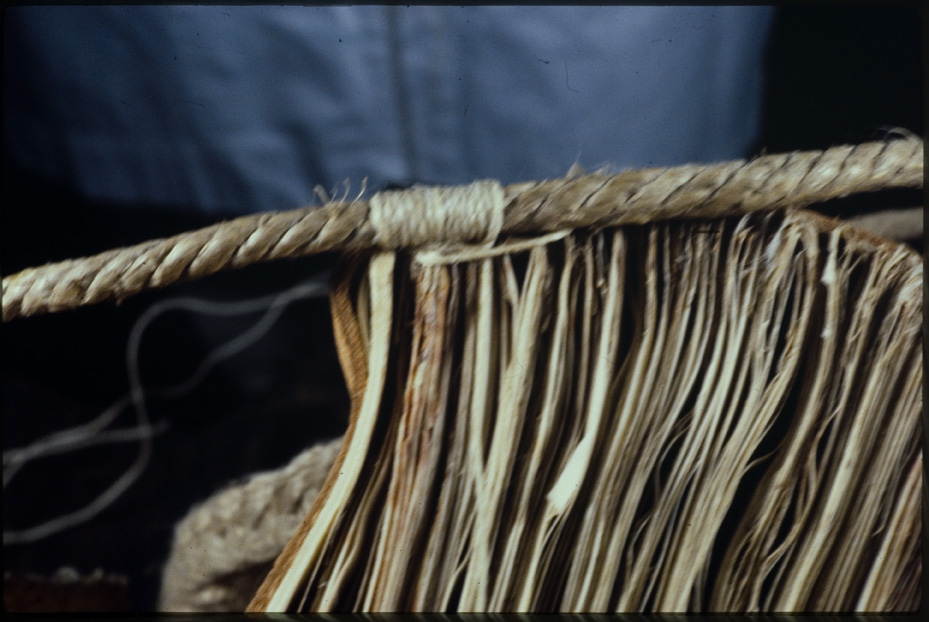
{"points": [[91, 433]]}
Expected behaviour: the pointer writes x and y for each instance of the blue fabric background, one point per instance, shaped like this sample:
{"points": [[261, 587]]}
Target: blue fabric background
{"points": [[248, 108]]}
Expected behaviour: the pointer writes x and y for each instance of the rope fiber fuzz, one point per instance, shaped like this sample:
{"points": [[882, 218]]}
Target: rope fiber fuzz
{"points": [[777, 181]]}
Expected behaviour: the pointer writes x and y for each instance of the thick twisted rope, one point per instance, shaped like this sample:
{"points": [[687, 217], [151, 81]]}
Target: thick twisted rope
{"points": [[777, 181]]}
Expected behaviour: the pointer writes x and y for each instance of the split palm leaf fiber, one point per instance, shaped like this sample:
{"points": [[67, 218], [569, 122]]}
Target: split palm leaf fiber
{"points": [[684, 416], [662, 390]]}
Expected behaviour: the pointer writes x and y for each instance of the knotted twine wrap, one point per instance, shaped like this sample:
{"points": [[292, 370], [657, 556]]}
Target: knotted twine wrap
{"points": [[779, 181], [425, 215]]}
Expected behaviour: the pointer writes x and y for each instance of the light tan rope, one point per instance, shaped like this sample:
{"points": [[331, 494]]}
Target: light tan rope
{"points": [[230, 538], [426, 215], [632, 197]]}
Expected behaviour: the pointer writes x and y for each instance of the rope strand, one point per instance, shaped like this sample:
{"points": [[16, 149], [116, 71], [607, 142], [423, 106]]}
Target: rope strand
{"points": [[778, 181]]}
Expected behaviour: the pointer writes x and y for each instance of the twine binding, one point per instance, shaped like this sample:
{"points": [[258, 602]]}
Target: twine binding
{"points": [[425, 215]]}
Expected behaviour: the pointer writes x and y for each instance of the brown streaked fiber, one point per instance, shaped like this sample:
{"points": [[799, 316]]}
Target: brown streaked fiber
{"points": [[777, 181], [682, 416]]}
